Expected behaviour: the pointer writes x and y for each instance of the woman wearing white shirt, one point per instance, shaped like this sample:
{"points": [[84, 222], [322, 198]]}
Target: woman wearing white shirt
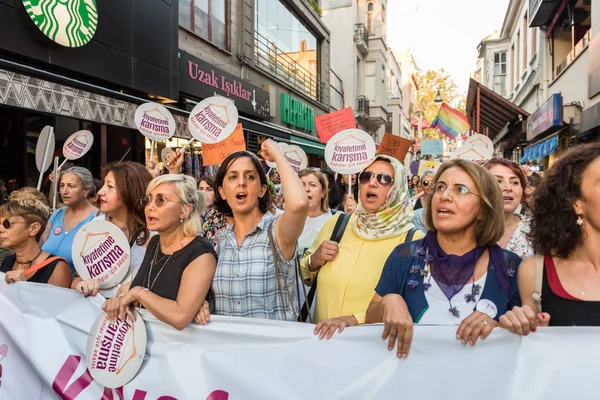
{"points": [[316, 185], [125, 185]]}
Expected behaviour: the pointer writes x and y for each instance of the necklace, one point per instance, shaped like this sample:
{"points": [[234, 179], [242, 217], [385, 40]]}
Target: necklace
{"points": [[28, 263], [150, 286]]}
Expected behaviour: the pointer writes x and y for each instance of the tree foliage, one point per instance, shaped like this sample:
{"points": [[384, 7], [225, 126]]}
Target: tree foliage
{"points": [[430, 82]]}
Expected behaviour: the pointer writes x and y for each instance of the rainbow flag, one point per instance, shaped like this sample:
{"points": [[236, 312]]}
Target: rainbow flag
{"points": [[450, 122]]}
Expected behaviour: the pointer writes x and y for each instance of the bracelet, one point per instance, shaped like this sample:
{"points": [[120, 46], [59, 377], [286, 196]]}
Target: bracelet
{"points": [[310, 266], [140, 294]]}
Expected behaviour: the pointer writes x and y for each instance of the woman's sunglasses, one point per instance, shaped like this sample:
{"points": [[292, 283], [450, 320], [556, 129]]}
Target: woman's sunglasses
{"points": [[383, 179], [6, 224], [159, 200], [426, 183]]}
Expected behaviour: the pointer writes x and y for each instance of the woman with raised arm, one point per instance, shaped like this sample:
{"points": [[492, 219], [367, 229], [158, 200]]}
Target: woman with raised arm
{"points": [[174, 278]]}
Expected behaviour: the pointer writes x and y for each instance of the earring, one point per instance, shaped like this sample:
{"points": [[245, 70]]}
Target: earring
{"points": [[181, 220], [579, 220]]}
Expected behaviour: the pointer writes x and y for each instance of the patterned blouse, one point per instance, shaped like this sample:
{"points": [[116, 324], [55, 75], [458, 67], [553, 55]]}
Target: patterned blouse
{"points": [[212, 223], [518, 243]]}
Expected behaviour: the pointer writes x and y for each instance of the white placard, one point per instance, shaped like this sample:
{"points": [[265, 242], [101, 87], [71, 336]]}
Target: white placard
{"points": [[296, 157], [349, 151], [165, 153], [78, 144], [101, 251], [273, 164], [477, 148], [155, 122], [115, 350], [44, 149], [213, 120]]}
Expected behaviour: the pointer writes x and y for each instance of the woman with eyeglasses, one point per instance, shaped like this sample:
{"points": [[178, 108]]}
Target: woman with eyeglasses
{"points": [[120, 197], [256, 273], [76, 186], [457, 274], [425, 185], [22, 222], [175, 276], [213, 221], [513, 184], [347, 272]]}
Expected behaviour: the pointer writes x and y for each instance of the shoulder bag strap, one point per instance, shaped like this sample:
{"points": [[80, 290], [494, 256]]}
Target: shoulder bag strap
{"points": [[538, 275], [279, 275], [32, 270], [336, 236], [410, 235]]}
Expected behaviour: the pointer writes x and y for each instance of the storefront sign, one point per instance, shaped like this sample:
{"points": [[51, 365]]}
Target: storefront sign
{"points": [[101, 251], [155, 122], [349, 151], [213, 120], [70, 23], [297, 114], [115, 350], [545, 117], [201, 79]]}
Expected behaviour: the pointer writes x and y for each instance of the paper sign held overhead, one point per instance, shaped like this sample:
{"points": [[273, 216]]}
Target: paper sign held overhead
{"points": [[115, 350], [214, 154], [394, 146], [101, 251], [349, 151], [213, 120], [432, 147], [78, 144], [334, 122], [155, 122]]}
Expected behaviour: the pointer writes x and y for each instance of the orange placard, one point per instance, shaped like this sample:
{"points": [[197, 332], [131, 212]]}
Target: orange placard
{"points": [[214, 154], [334, 122], [394, 146]]}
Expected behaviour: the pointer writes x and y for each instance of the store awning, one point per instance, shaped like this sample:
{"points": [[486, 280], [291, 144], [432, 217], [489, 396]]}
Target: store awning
{"points": [[308, 146], [489, 112], [541, 149]]}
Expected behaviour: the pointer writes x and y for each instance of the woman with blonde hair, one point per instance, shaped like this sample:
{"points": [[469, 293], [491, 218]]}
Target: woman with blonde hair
{"points": [[23, 221], [175, 276], [457, 274]]}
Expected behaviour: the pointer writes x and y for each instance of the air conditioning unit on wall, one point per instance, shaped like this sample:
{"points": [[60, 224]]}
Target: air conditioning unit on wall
{"points": [[572, 114]]}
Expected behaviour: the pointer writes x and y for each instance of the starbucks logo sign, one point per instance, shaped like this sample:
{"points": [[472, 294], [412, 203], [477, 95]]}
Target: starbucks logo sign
{"points": [[70, 23]]}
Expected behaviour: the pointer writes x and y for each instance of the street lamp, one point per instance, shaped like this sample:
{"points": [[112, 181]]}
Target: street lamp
{"points": [[438, 97]]}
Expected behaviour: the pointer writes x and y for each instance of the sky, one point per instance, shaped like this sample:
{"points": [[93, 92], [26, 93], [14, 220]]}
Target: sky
{"points": [[444, 33]]}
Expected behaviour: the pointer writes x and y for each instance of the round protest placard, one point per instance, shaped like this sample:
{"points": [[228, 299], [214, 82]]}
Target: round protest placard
{"points": [[78, 144], [477, 148], [155, 122], [213, 119], [273, 164], [296, 157], [101, 251], [165, 153], [349, 151], [115, 350]]}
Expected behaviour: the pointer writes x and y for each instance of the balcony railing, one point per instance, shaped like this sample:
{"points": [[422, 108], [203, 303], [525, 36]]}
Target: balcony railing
{"points": [[281, 65], [361, 38], [362, 105], [574, 53]]}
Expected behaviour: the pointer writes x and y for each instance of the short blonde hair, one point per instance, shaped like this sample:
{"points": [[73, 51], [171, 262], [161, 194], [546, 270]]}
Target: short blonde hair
{"points": [[31, 205], [187, 191], [491, 226]]}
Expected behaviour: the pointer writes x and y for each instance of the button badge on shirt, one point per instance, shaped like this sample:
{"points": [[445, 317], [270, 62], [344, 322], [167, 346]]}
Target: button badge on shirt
{"points": [[58, 230]]}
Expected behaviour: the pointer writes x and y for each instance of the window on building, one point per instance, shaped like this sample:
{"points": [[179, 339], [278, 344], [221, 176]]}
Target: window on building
{"points": [[518, 58], [383, 86], [383, 18], [206, 18], [286, 47], [533, 41], [336, 91], [500, 73], [512, 73], [370, 15], [388, 123], [525, 58]]}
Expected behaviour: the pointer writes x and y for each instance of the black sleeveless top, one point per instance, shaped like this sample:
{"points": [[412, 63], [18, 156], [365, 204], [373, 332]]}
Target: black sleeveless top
{"points": [[41, 276], [566, 311], [164, 278]]}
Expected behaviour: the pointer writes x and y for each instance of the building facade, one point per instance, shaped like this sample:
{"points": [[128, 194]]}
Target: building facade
{"points": [[410, 87]]}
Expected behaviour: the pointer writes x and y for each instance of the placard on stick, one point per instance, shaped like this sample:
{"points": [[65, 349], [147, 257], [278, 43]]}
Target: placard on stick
{"points": [[334, 122], [349, 151], [394, 146], [214, 154]]}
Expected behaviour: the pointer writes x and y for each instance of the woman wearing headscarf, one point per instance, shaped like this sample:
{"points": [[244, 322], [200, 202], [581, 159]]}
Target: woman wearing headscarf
{"points": [[457, 274], [347, 272]]}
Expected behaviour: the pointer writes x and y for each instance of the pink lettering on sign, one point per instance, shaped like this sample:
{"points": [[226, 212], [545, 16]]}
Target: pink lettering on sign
{"points": [[350, 153], [232, 87]]}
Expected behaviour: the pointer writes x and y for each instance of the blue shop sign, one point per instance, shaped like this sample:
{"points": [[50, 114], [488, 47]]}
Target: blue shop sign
{"points": [[540, 150], [545, 117]]}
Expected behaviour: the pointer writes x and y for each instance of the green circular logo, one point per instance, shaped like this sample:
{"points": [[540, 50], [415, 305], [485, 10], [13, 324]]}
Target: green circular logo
{"points": [[70, 23]]}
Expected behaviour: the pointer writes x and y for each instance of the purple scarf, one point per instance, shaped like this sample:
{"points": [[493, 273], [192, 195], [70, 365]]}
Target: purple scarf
{"points": [[452, 272]]}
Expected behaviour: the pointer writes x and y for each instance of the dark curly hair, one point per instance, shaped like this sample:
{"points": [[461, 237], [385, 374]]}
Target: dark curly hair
{"points": [[554, 229]]}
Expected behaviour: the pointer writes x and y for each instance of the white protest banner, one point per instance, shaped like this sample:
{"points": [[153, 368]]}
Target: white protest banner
{"points": [[115, 350], [45, 330], [213, 119], [155, 122], [349, 151], [43, 152], [101, 251]]}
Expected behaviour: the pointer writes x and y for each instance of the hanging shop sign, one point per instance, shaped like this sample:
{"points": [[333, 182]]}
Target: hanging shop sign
{"points": [[201, 79], [297, 114], [545, 117], [68, 23]]}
